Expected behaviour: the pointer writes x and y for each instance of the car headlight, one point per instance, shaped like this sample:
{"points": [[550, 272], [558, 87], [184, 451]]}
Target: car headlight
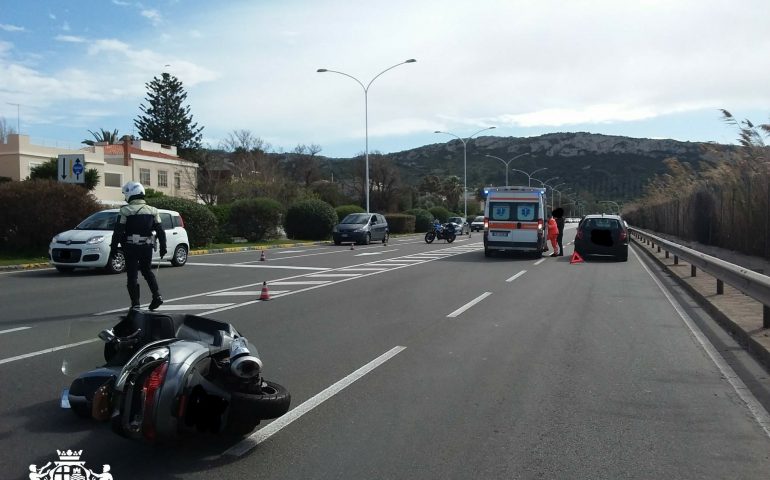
{"points": [[95, 240], [55, 239], [335, 229]]}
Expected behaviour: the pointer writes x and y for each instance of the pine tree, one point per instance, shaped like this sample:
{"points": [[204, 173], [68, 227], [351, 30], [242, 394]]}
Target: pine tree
{"points": [[166, 120]]}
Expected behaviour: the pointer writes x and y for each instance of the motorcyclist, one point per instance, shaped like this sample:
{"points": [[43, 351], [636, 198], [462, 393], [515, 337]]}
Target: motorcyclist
{"points": [[133, 231]]}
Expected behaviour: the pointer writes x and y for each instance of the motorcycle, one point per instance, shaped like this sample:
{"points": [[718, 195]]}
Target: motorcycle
{"points": [[168, 375], [441, 232]]}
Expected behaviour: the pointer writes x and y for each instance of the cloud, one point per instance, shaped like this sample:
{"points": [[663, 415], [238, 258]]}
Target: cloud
{"points": [[120, 3], [70, 39], [66, 27], [152, 15], [11, 28]]}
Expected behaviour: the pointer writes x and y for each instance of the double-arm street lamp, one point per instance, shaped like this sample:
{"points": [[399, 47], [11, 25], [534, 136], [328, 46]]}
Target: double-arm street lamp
{"points": [[465, 163], [529, 175], [366, 113], [507, 163]]}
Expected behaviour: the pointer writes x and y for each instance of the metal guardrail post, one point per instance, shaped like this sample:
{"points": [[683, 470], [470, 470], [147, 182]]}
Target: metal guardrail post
{"points": [[692, 270], [676, 259], [720, 287], [765, 316], [666, 253], [658, 248]]}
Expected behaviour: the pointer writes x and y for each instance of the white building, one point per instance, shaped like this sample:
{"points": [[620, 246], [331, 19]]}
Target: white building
{"points": [[155, 166]]}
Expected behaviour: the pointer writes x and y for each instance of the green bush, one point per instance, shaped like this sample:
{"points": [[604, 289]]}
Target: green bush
{"points": [[310, 220], [256, 219], [200, 223], [36, 210], [345, 210], [423, 219], [224, 231], [441, 213], [400, 223]]}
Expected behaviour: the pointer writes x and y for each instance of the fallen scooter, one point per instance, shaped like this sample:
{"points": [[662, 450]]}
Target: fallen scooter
{"points": [[168, 375]]}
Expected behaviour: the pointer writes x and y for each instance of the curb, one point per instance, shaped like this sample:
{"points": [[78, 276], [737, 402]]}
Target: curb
{"points": [[745, 338], [34, 266]]}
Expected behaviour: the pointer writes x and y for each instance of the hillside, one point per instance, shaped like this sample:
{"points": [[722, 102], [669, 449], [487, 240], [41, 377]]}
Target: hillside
{"points": [[609, 167]]}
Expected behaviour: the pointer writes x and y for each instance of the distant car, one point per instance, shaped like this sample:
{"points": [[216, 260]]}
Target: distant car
{"points": [[477, 224], [361, 228], [602, 235], [88, 245], [461, 225]]}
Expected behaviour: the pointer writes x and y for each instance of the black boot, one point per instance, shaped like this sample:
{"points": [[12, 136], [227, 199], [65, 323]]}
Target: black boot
{"points": [[133, 294], [156, 302]]}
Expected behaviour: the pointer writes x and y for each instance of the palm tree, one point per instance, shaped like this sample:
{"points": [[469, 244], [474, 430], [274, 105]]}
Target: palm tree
{"points": [[110, 138], [452, 188]]}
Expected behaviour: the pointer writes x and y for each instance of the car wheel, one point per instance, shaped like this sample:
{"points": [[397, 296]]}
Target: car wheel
{"points": [[368, 239], [386, 237], [116, 263], [487, 252], [337, 242], [180, 256], [65, 269]]}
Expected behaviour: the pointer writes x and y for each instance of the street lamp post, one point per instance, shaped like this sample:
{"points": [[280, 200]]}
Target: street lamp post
{"points": [[507, 163], [545, 185], [366, 113], [529, 175], [465, 163]]}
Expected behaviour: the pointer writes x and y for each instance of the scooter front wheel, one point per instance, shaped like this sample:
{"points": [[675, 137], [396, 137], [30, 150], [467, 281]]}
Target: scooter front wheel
{"points": [[429, 237]]}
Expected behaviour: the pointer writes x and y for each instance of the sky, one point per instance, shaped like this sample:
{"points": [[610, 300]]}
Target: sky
{"points": [[641, 68]]}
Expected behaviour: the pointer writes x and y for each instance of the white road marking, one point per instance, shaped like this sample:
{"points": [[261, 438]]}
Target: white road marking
{"points": [[244, 265], [516, 276], [469, 304], [390, 265], [757, 410], [365, 269], [306, 282], [245, 293], [368, 253], [14, 329], [248, 443], [317, 275], [192, 306], [540, 261], [290, 251], [47, 350]]}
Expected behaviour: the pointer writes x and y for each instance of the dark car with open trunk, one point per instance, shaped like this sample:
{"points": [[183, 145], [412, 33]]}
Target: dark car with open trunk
{"points": [[602, 235]]}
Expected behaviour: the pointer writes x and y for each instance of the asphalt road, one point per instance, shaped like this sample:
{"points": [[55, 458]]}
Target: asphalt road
{"points": [[411, 361]]}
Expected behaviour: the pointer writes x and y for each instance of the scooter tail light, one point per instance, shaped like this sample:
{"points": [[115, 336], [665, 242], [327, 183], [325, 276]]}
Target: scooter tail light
{"points": [[150, 391]]}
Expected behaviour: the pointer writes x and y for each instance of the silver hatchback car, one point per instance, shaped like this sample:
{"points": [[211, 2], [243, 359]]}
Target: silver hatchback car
{"points": [[88, 244]]}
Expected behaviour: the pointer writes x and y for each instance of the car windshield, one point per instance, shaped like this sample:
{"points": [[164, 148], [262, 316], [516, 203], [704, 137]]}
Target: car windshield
{"points": [[456, 220], [478, 219], [601, 223], [356, 218], [99, 221]]}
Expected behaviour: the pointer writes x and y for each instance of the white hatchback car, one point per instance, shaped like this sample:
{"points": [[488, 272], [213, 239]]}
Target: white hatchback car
{"points": [[88, 245]]}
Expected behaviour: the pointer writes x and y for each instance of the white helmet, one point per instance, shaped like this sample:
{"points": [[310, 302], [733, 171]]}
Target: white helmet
{"points": [[132, 188]]}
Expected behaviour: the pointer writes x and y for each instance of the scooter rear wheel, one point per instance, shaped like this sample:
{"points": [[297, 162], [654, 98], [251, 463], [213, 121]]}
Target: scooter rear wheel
{"points": [[247, 409]]}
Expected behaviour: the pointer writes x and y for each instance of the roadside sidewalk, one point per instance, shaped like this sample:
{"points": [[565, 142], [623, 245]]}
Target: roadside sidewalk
{"points": [[738, 313]]}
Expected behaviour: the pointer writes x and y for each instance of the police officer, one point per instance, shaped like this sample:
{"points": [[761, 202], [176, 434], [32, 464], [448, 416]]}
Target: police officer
{"points": [[134, 232]]}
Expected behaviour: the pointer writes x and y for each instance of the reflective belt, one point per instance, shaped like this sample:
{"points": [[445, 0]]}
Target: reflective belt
{"points": [[139, 240]]}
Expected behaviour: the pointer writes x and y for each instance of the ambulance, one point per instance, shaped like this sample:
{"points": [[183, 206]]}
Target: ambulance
{"points": [[515, 220]]}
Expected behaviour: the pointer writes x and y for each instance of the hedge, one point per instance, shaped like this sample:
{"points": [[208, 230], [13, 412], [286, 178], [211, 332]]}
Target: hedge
{"points": [[256, 219], [36, 210], [200, 223], [423, 219], [310, 220], [400, 223], [441, 213]]}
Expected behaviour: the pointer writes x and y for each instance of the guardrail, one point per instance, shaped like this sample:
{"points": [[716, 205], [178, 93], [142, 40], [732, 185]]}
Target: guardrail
{"points": [[753, 284]]}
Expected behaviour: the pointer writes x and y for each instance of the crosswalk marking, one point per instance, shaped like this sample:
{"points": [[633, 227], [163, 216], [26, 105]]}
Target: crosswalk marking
{"points": [[192, 306], [244, 293], [335, 275], [305, 282]]}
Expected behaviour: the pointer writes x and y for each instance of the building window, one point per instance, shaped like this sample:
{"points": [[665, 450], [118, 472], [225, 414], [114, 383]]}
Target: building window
{"points": [[162, 178], [144, 176], [113, 180], [177, 180]]}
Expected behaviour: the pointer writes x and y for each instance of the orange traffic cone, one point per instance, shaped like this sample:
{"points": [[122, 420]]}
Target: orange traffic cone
{"points": [[265, 295], [262, 257], [576, 258]]}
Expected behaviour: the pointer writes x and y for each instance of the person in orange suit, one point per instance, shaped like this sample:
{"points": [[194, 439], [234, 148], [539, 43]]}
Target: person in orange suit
{"points": [[553, 235]]}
